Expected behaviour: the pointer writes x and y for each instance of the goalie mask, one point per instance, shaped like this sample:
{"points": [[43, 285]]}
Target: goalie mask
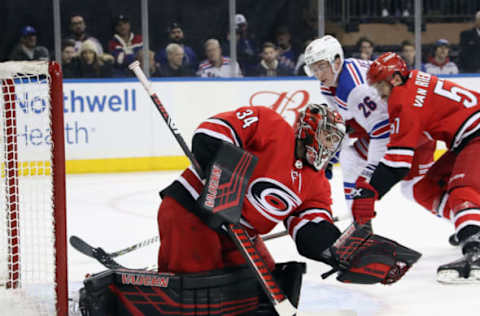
{"points": [[319, 134]]}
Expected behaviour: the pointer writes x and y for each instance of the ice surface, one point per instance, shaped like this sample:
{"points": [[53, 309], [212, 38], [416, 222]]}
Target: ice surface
{"points": [[117, 210]]}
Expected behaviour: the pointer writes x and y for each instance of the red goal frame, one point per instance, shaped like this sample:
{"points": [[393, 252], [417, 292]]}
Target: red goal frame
{"points": [[58, 185]]}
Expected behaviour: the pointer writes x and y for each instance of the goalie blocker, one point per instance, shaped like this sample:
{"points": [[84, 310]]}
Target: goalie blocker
{"points": [[232, 291]]}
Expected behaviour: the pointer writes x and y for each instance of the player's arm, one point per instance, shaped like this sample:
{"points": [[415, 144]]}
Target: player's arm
{"points": [[218, 146], [405, 132], [370, 112], [394, 166], [311, 225], [313, 230], [235, 127]]}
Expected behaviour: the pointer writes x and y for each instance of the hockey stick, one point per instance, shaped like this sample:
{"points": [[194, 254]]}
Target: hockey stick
{"points": [[99, 254], [131, 248], [155, 239], [238, 235], [96, 253]]}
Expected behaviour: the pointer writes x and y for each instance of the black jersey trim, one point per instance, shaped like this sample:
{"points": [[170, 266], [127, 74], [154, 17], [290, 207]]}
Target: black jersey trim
{"points": [[237, 137]]}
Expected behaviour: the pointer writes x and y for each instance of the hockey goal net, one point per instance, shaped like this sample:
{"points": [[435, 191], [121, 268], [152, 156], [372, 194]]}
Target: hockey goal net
{"points": [[33, 259]]}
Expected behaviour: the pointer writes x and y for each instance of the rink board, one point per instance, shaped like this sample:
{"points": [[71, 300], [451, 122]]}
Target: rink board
{"points": [[112, 126]]}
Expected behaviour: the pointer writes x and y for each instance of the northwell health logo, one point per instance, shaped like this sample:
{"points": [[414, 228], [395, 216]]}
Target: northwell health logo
{"points": [[31, 107], [79, 103]]}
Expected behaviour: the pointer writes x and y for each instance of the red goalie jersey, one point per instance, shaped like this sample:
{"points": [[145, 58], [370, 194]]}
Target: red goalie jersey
{"points": [[277, 190], [433, 107]]}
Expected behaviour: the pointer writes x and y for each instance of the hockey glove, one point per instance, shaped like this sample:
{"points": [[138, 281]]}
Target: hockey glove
{"points": [[376, 260], [221, 200], [364, 197]]}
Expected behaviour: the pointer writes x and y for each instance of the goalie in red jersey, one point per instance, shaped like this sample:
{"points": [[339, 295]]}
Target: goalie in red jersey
{"points": [[419, 105], [287, 185]]}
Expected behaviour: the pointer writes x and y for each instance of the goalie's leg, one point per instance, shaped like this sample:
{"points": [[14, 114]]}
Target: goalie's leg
{"points": [[187, 245], [230, 291]]}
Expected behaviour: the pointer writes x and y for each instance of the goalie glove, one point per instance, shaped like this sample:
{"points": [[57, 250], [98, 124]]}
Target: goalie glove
{"points": [[221, 200], [376, 260]]}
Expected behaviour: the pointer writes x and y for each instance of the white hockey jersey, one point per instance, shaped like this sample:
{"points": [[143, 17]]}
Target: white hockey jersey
{"points": [[207, 69], [355, 100]]}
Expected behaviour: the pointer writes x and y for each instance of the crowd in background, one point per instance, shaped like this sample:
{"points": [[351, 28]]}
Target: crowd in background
{"points": [[84, 56]]}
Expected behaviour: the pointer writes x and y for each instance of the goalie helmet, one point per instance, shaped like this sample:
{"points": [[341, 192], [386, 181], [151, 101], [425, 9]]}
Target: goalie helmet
{"points": [[319, 134], [325, 48], [385, 66]]}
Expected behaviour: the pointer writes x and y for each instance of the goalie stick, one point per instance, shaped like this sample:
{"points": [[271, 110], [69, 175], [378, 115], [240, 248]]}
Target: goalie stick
{"points": [[155, 239], [97, 253], [238, 235]]}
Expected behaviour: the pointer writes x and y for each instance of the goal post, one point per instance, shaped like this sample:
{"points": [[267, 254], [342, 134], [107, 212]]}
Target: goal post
{"points": [[33, 246]]}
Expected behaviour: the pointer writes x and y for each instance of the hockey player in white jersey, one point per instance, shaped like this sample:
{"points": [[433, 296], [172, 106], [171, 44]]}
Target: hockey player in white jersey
{"points": [[344, 86]]}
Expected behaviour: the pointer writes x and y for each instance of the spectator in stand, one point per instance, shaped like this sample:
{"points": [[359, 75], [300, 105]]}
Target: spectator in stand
{"points": [[269, 66], [123, 46], [217, 65], [78, 34], [439, 63], [154, 66], [176, 35], [70, 62], [175, 66], [27, 48], [91, 64], [365, 49], [287, 54], [407, 51], [247, 48], [470, 47]]}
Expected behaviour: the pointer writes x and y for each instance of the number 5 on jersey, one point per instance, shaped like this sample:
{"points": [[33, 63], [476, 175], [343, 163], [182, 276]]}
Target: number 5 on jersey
{"points": [[247, 118]]}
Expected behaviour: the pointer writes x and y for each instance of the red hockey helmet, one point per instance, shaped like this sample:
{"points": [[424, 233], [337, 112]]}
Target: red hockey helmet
{"points": [[385, 66], [319, 133]]}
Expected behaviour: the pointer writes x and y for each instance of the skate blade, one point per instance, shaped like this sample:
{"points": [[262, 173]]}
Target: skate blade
{"points": [[453, 277]]}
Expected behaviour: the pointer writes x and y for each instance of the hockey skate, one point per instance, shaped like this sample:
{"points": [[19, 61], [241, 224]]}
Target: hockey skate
{"points": [[465, 270]]}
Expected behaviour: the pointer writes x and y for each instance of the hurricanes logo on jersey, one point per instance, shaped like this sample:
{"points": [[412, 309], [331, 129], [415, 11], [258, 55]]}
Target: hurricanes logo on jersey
{"points": [[272, 199]]}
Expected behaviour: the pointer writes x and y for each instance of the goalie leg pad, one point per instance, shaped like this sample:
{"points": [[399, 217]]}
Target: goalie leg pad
{"points": [[379, 260], [233, 291]]}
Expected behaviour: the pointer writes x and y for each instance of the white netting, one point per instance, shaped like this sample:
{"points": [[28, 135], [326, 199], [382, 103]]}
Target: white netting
{"points": [[27, 235], [12, 69]]}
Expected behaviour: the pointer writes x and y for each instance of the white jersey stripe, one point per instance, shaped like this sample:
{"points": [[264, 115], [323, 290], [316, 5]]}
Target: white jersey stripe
{"points": [[400, 152], [461, 134], [188, 187], [396, 164], [213, 134], [222, 123]]}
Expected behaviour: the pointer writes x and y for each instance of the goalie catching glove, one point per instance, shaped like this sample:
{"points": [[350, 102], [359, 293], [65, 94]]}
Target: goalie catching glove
{"points": [[365, 258]]}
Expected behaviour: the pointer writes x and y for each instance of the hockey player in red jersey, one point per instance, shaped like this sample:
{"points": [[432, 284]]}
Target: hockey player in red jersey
{"points": [[288, 184], [419, 105]]}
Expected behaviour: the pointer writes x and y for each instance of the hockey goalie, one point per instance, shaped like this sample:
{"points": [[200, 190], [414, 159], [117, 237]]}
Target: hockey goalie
{"points": [[259, 172]]}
